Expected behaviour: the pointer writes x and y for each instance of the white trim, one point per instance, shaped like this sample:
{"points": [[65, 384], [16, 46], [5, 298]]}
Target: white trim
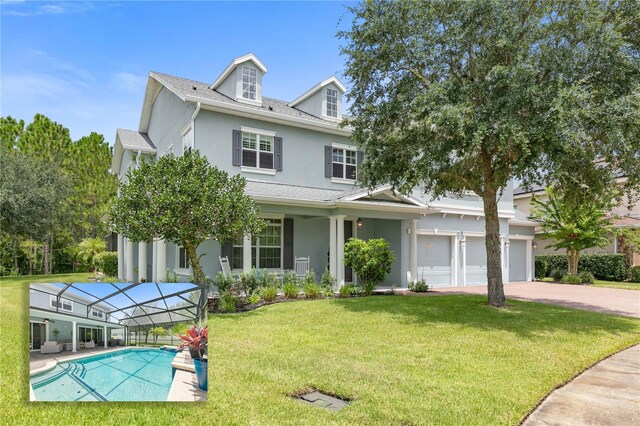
{"points": [[257, 170], [343, 180], [386, 189], [333, 79], [258, 131], [529, 254], [435, 231], [248, 101], [471, 211], [178, 270], [271, 216], [520, 237], [344, 146], [237, 61]]}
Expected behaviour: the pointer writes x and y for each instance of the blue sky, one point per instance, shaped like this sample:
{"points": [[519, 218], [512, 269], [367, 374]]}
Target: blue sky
{"points": [[85, 64]]}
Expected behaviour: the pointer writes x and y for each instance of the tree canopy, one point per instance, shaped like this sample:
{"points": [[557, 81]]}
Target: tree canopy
{"points": [[183, 200], [450, 97]]}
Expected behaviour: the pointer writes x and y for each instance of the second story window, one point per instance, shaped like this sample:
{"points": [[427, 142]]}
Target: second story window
{"points": [[257, 151], [96, 313], [63, 304], [344, 163], [183, 258], [332, 103], [249, 81]]}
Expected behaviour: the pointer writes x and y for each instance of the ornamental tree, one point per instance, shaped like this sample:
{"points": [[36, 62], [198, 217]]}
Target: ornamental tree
{"points": [[573, 226], [183, 200], [451, 97], [371, 260]]}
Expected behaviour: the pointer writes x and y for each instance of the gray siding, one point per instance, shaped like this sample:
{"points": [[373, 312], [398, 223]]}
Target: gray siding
{"points": [[169, 116]]}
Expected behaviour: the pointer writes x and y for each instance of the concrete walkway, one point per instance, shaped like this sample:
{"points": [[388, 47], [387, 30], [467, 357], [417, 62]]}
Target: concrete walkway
{"points": [[607, 300], [606, 394]]}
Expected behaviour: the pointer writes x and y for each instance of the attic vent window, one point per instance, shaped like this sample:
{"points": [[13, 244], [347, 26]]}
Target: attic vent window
{"points": [[249, 80], [332, 103], [194, 88]]}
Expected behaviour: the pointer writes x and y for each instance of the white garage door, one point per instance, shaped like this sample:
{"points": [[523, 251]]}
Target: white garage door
{"points": [[476, 261], [517, 260], [434, 260]]}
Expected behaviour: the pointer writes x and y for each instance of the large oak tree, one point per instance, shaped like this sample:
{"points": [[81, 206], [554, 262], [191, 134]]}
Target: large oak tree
{"points": [[449, 97]]}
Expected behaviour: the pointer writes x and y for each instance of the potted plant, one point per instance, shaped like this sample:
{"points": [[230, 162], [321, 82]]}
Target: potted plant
{"points": [[195, 338], [55, 333]]}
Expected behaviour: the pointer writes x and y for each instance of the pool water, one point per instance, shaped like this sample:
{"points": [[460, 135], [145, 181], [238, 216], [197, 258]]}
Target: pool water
{"points": [[126, 375]]}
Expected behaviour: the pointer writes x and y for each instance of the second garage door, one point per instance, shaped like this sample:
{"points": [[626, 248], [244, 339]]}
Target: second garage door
{"points": [[517, 260], [434, 260], [476, 261]]}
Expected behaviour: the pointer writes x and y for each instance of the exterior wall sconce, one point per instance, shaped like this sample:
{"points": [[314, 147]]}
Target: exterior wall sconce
{"points": [[534, 245], [359, 223]]}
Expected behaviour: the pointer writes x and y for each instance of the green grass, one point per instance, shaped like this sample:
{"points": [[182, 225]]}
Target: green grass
{"points": [[403, 360], [607, 284]]}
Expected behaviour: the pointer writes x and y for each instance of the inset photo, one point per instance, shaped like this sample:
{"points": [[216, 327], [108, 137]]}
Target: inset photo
{"points": [[117, 342]]}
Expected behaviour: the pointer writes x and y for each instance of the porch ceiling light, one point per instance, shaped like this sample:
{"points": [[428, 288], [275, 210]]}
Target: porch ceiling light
{"points": [[359, 223]]}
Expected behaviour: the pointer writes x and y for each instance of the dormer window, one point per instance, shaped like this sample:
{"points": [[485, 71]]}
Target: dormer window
{"points": [[249, 83], [332, 103]]}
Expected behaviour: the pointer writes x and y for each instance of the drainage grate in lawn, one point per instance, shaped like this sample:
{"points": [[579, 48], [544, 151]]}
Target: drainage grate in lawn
{"points": [[323, 400]]}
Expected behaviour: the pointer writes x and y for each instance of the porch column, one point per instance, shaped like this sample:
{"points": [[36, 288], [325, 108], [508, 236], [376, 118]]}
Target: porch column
{"points": [[120, 257], [528, 257], [463, 245], [413, 250], [506, 257], [73, 337], [340, 250], [46, 327], [142, 261], [129, 272], [502, 258], [246, 253], [154, 264], [161, 261], [455, 259], [104, 336], [332, 246]]}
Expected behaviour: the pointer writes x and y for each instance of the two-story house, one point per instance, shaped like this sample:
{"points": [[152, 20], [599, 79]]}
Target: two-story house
{"points": [[301, 168]]}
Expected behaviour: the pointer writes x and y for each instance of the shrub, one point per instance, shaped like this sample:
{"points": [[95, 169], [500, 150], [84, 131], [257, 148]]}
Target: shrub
{"points": [[312, 290], [634, 274], [290, 290], [327, 280], [371, 260], [249, 282], [611, 267], [224, 282], [107, 262], [367, 287], [289, 277], [253, 299], [418, 286], [558, 273], [541, 267], [310, 277], [171, 277], [586, 277], [269, 294], [267, 279], [571, 279], [228, 302], [348, 290]]}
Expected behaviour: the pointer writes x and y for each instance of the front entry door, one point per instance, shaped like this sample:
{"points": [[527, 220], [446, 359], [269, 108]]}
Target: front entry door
{"points": [[348, 233]]}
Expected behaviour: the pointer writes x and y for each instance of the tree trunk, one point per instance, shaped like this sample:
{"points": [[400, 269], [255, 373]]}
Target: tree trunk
{"points": [[45, 257], [51, 254], [15, 253], [198, 274], [495, 289], [573, 256]]}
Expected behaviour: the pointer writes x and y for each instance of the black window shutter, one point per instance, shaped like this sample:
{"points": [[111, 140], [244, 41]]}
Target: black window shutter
{"points": [[277, 149], [287, 247], [359, 159], [237, 147], [327, 161], [227, 251]]}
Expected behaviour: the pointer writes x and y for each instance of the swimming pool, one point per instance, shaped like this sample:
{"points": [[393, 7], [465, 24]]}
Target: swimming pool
{"points": [[126, 375]]}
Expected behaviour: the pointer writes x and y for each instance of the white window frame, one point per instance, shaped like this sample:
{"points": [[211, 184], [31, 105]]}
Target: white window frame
{"points": [[259, 134], [255, 84], [344, 163], [333, 94], [257, 244], [53, 303], [98, 311], [187, 139], [178, 269]]}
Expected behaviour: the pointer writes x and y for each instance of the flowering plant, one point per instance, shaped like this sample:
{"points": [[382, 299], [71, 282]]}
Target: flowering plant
{"points": [[195, 338]]}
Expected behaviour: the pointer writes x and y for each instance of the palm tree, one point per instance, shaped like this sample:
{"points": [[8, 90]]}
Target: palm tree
{"points": [[89, 248]]}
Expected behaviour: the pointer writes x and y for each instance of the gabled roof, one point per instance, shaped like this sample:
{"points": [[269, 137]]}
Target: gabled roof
{"points": [[521, 219], [333, 79], [132, 140], [383, 194], [229, 69]]}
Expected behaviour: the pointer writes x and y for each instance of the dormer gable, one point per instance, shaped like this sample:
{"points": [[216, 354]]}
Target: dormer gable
{"points": [[242, 80], [323, 100]]}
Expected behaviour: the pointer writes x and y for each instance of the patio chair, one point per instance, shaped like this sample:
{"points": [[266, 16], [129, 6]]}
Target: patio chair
{"points": [[90, 345], [51, 347], [302, 266]]}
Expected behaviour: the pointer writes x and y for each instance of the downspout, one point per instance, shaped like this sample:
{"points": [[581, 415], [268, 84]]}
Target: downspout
{"points": [[193, 122]]}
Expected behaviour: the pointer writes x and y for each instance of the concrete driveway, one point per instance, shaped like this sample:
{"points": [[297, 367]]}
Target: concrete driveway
{"points": [[608, 300]]}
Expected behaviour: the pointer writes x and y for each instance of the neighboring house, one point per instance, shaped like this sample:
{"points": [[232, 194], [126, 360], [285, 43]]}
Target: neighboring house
{"points": [[76, 318], [301, 168], [625, 217]]}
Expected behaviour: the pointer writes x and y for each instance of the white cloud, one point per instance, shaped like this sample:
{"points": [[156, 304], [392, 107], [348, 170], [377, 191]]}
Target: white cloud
{"points": [[128, 82], [47, 9]]}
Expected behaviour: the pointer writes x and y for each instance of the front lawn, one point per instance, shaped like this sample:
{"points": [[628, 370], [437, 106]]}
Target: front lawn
{"points": [[403, 360], [601, 283]]}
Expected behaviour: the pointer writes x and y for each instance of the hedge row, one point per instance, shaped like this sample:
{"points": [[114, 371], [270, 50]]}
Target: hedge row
{"points": [[609, 267], [107, 262]]}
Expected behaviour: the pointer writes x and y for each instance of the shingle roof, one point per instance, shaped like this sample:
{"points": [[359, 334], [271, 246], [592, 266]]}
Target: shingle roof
{"points": [[291, 192], [185, 87], [627, 222], [131, 139]]}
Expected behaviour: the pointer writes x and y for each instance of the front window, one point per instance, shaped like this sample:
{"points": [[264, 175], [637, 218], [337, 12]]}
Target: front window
{"points": [[344, 163], [249, 80], [96, 313], [257, 151], [183, 258], [332, 103], [266, 248], [63, 304]]}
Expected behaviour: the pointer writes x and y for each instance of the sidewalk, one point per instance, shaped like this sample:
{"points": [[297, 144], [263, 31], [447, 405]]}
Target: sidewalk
{"points": [[606, 394]]}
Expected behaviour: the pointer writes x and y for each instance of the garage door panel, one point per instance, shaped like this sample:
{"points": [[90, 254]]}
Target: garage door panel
{"points": [[517, 260], [476, 268], [434, 260]]}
